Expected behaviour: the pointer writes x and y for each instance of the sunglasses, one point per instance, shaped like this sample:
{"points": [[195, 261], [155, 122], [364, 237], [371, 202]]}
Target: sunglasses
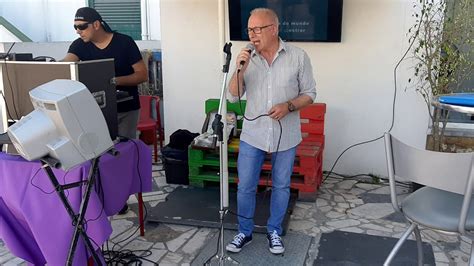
{"points": [[82, 26]]}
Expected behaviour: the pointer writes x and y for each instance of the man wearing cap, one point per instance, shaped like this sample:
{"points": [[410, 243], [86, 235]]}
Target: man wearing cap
{"points": [[98, 41]]}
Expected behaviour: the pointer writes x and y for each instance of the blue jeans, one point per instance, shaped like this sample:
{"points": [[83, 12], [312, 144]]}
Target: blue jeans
{"points": [[249, 165]]}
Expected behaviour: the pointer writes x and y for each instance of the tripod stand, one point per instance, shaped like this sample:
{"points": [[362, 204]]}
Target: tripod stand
{"points": [[220, 131], [77, 218]]}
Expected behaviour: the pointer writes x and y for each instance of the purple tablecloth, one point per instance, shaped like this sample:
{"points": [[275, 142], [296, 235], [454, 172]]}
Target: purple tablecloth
{"points": [[33, 221]]}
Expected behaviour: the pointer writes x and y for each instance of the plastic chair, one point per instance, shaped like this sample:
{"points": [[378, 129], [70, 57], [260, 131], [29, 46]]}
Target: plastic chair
{"points": [[444, 204], [150, 120]]}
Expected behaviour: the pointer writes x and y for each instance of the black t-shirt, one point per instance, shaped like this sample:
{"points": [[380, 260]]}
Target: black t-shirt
{"points": [[125, 53]]}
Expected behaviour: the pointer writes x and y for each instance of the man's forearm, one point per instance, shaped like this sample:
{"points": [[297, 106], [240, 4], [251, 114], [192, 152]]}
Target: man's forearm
{"points": [[132, 79], [233, 89], [301, 101]]}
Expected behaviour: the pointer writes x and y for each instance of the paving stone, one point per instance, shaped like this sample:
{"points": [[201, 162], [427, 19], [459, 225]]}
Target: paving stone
{"points": [[155, 197], [373, 210], [175, 244], [339, 199], [5, 258], [138, 245], [386, 190], [170, 188], [180, 228], [441, 237], [346, 184], [333, 215], [316, 230], [465, 247], [301, 225], [298, 212], [356, 191], [171, 259], [321, 202], [332, 181], [325, 196], [367, 187], [306, 206], [465, 239], [197, 241], [161, 182], [178, 244], [132, 199], [159, 246], [156, 255], [352, 230], [378, 233], [440, 257], [376, 227], [120, 226], [343, 205], [153, 204], [14, 262], [343, 223], [325, 208], [328, 186]]}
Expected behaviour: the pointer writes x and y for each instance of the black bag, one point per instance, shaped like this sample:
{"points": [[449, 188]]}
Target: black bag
{"points": [[181, 138]]}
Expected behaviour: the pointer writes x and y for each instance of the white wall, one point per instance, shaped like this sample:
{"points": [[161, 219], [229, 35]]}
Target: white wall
{"points": [[42, 20], [354, 77], [7, 36]]}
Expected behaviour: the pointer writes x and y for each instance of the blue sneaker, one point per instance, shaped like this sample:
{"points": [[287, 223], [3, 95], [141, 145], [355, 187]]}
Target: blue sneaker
{"points": [[275, 243], [239, 241]]}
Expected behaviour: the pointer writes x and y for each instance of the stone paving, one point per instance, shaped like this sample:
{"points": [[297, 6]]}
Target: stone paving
{"points": [[352, 205]]}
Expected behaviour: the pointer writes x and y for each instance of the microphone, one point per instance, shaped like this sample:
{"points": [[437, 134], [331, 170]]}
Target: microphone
{"points": [[249, 47]]}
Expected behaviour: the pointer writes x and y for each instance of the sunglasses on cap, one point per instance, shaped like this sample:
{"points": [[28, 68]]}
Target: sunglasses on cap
{"points": [[82, 26]]}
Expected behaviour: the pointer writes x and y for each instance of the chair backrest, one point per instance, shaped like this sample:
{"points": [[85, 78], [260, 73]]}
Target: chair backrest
{"points": [[446, 171], [150, 108]]}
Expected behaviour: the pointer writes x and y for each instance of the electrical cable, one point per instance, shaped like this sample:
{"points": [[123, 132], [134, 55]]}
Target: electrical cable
{"points": [[272, 160], [44, 57], [393, 102], [10, 86], [277, 148], [124, 256]]}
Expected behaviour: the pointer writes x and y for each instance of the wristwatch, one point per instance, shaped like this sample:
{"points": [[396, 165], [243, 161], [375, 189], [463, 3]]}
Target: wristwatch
{"points": [[291, 107], [113, 81]]}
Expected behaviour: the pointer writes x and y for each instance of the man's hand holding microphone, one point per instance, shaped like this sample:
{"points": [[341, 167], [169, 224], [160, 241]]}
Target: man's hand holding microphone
{"points": [[243, 58]]}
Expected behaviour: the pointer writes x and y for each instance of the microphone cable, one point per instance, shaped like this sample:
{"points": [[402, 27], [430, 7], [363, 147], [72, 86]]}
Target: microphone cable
{"points": [[413, 39], [269, 173], [278, 143]]}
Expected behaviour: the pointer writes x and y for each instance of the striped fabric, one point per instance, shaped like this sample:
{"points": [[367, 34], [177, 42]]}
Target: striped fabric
{"points": [[289, 76]]}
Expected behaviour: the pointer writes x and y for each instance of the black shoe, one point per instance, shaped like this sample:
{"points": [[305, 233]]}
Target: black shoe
{"points": [[239, 241], [124, 210], [275, 243]]}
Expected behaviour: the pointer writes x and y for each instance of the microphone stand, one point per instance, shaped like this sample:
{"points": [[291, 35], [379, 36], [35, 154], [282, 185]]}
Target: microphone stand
{"points": [[220, 131]]}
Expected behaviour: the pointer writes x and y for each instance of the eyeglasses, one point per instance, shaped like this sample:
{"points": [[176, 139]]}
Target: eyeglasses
{"points": [[257, 30], [82, 26]]}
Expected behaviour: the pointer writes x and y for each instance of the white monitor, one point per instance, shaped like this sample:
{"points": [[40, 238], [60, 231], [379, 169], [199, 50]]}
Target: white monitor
{"points": [[66, 124]]}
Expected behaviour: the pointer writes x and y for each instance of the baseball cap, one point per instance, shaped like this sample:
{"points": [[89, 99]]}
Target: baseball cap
{"points": [[90, 15]]}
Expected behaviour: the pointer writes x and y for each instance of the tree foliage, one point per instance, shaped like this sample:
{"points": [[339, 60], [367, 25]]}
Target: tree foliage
{"points": [[442, 48]]}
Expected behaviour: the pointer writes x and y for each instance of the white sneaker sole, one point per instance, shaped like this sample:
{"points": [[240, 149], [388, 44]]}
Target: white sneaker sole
{"points": [[276, 251], [234, 249]]}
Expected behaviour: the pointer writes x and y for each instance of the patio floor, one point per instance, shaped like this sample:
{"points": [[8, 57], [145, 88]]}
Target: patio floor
{"points": [[352, 205]]}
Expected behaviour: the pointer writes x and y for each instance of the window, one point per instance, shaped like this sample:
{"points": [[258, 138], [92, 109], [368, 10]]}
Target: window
{"points": [[123, 16]]}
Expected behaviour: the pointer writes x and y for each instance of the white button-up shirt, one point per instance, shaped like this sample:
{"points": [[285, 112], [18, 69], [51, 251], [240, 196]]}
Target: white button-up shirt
{"points": [[289, 76]]}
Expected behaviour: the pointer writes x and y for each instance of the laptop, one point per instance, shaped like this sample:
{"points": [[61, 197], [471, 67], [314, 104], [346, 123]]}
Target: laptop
{"points": [[462, 99]]}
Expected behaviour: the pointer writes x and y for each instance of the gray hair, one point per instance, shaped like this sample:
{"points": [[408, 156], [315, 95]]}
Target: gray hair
{"points": [[268, 12]]}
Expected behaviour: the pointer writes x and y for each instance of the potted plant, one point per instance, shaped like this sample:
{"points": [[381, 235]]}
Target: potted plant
{"points": [[443, 54]]}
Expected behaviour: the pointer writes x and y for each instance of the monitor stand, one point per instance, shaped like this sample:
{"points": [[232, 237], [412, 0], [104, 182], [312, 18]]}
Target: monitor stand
{"points": [[77, 218]]}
